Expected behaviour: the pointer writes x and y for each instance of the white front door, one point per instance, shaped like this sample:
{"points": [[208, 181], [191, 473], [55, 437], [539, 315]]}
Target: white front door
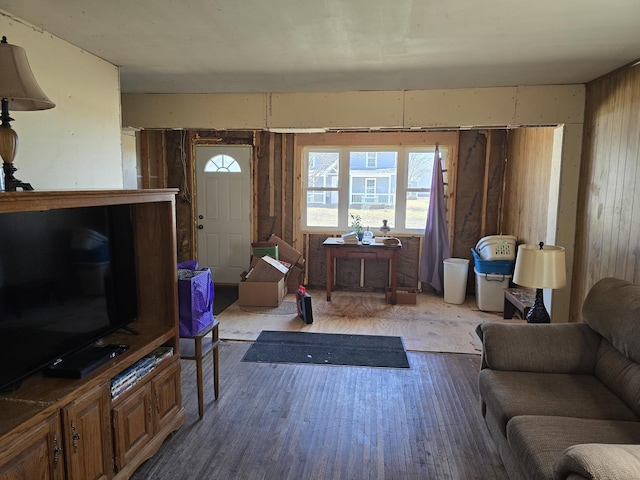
{"points": [[223, 193]]}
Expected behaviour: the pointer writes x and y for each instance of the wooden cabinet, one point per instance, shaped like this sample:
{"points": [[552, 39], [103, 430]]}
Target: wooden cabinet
{"points": [[132, 425], [145, 413], [33, 453], [87, 436], [58, 428]]}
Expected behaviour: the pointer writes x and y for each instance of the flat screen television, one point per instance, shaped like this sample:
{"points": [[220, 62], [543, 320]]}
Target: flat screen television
{"points": [[67, 279]]}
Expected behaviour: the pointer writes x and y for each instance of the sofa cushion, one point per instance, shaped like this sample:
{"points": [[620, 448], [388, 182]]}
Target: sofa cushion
{"points": [[598, 460], [537, 442], [544, 348], [509, 394], [612, 308], [619, 374]]}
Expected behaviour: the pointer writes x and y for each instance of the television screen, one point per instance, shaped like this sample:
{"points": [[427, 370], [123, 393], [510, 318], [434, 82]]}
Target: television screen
{"points": [[67, 278]]}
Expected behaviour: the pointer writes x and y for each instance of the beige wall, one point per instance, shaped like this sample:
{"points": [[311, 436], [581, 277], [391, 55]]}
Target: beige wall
{"points": [[75, 145]]}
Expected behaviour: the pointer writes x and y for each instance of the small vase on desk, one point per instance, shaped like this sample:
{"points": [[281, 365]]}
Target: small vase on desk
{"points": [[385, 229]]}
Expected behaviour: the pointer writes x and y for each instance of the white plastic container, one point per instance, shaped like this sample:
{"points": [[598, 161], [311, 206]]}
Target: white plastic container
{"points": [[497, 247], [490, 291], [456, 272]]}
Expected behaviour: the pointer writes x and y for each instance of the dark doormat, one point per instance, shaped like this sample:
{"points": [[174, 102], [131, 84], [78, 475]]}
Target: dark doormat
{"points": [[224, 296], [328, 349]]}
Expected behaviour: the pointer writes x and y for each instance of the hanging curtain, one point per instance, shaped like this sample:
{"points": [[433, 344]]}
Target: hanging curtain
{"points": [[435, 247]]}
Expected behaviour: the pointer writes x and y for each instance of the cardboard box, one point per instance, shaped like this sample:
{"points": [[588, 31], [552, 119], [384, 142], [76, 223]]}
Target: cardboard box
{"points": [[260, 249], [262, 294], [296, 277], [404, 296], [267, 269], [287, 252]]}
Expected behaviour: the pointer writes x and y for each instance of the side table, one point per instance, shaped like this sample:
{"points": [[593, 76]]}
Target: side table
{"points": [[201, 347], [520, 299]]}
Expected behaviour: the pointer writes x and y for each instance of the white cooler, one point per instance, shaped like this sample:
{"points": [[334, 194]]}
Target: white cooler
{"points": [[490, 291]]}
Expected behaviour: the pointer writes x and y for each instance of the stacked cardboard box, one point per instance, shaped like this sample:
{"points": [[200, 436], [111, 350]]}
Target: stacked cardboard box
{"points": [[269, 278], [294, 257], [265, 285]]}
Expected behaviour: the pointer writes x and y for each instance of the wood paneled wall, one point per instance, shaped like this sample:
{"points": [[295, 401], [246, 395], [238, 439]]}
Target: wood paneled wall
{"points": [[608, 228], [527, 177]]}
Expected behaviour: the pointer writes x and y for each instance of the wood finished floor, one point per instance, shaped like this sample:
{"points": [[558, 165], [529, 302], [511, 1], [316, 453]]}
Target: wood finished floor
{"points": [[312, 422]]}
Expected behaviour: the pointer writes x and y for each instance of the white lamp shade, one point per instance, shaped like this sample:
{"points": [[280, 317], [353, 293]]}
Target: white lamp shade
{"points": [[17, 83], [540, 268]]}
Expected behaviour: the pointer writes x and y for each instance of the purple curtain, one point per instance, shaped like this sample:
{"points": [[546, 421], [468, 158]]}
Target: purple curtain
{"points": [[435, 247]]}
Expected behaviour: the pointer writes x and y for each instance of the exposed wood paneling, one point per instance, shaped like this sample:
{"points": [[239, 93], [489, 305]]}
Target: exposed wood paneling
{"points": [[276, 175], [608, 229], [528, 171]]}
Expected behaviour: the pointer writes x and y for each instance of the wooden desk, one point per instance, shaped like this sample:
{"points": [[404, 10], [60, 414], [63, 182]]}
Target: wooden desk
{"points": [[197, 353], [336, 248]]}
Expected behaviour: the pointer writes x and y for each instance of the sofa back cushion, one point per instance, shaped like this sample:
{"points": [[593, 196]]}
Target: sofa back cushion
{"points": [[619, 374], [612, 308]]}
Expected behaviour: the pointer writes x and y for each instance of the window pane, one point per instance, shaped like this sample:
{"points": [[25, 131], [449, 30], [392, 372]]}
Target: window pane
{"points": [[417, 207], [322, 208], [322, 170], [420, 168], [372, 187], [222, 164]]}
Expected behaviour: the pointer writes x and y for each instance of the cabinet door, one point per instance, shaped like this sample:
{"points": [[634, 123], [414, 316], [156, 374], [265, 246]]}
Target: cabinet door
{"points": [[132, 425], [167, 395], [87, 436], [34, 453]]}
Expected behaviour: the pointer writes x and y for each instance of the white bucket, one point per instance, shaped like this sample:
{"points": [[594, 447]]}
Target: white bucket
{"points": [[456, 271]]}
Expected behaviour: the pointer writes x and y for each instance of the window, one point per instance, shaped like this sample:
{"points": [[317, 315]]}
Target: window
{"points": [[222, 164], [372, 160], [378, 183]]}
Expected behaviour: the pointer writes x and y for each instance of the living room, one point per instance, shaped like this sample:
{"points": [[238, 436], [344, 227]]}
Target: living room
{"points": [[589, 207]]}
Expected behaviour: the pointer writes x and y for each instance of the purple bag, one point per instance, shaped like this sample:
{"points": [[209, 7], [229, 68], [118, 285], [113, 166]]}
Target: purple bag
{"points": [[195, 300]]}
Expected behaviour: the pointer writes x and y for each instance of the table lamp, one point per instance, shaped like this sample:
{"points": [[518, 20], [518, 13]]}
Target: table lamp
{"points": [[540, 266], [18, 91]]}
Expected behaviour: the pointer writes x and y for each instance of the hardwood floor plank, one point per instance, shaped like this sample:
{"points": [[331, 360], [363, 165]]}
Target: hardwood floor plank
{"points": [[317, 422]]}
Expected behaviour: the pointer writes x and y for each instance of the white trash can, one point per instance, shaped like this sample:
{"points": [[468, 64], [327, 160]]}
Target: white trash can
{"points": [[456, 272]]}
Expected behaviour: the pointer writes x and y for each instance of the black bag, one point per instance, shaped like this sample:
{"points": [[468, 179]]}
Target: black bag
{"points": [[303, 300]]}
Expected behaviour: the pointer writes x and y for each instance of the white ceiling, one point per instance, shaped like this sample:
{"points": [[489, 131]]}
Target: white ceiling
{"points": [[207, 46]]}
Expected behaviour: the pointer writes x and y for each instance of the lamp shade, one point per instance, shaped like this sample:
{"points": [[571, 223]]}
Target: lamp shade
{"points": [[540, 268], [17, 83]]}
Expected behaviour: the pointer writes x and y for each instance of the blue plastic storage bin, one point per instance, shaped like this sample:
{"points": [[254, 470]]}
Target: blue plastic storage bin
{"points": [[501, 267]]}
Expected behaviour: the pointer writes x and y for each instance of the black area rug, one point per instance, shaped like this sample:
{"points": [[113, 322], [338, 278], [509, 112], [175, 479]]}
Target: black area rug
{"points": [[328, 349], [224, 296]]}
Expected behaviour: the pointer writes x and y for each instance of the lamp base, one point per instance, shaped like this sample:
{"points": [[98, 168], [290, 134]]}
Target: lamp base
{"points": [[11, 183], [538, 313]]}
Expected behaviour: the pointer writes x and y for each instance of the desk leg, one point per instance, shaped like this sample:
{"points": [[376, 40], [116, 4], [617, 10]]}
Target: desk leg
{"points": [[394, 277], [509, 309], [216, 371], [199, 376], [329, 270]]}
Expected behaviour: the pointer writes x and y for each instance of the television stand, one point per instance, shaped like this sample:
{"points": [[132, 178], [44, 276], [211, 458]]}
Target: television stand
{"points": [[84, 361]]}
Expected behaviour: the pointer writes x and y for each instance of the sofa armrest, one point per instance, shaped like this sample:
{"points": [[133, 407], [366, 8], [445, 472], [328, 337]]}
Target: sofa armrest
{"points": [[541, 348], [598, 461]]}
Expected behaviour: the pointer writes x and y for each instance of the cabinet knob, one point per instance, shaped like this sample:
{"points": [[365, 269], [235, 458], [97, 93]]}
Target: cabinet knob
{"points": [[200, 227]]}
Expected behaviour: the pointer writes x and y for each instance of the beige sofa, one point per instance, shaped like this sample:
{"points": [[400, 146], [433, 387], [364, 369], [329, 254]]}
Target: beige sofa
{"points": [[562, 401]]}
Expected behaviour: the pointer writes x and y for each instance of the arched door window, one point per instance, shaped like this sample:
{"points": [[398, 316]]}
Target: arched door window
{"points": [[222, 164]]}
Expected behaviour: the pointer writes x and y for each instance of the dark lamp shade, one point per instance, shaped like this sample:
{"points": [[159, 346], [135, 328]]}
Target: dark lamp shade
{"points": [[17, 83], [540, 268]]}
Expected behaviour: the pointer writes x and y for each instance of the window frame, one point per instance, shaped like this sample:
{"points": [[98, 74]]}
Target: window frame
{"points": [[344, 185]]}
